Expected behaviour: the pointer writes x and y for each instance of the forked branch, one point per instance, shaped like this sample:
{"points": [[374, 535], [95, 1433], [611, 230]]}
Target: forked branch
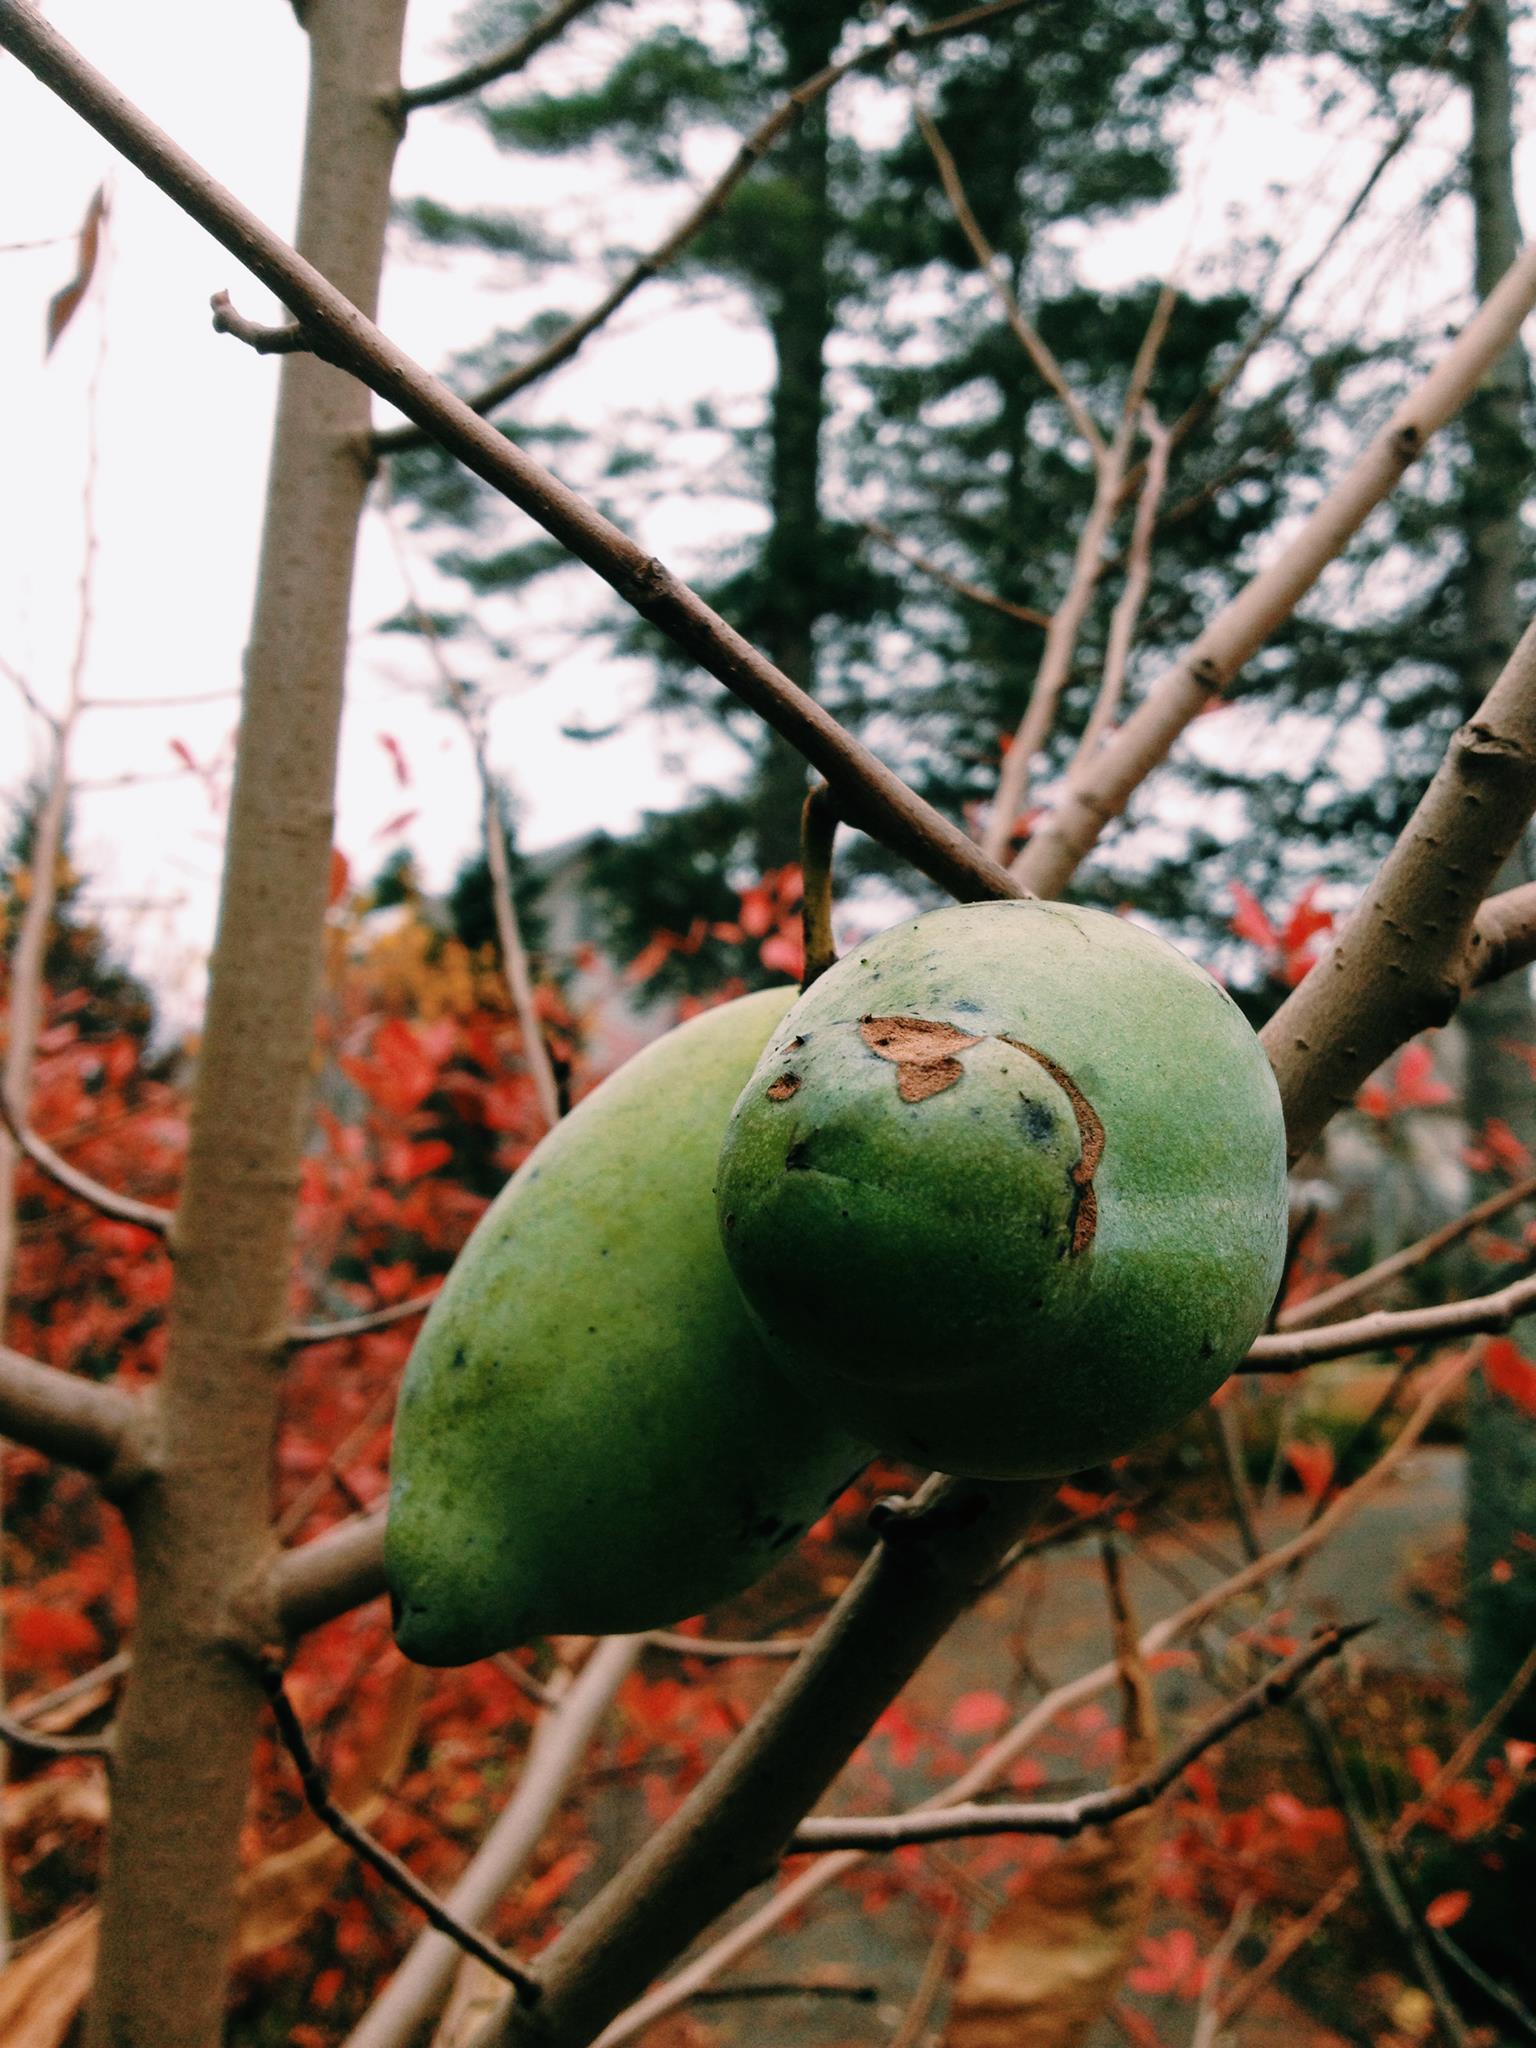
{"points": [[1063, 1818], [656, 261], [870, 795]]}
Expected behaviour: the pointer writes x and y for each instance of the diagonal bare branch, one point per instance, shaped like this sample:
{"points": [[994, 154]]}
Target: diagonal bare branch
{"points": [[1062, 1818], [1028, 335], [1097, 789], [870, 796], [502, 63], [657, 261], [1483, 1315]]}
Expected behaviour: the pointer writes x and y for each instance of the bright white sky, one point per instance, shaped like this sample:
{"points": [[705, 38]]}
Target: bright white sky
{"points": [[184, 416]]}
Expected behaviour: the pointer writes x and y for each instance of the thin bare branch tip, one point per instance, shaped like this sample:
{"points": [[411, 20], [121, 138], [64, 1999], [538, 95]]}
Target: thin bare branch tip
{"points": [[288, 340], [19, 1736]]}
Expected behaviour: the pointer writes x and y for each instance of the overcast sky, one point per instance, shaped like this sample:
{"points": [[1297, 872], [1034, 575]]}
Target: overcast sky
{"points": [[184, 416]]}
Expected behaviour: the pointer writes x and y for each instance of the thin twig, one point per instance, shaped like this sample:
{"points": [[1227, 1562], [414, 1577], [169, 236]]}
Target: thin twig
{"points": [[1027, 333], [725, 1647], [364, 1324], [19, 1735], [502, 63], [1062, 1818], [1000, 1756], [374, 1854], [1122, 623], [514, 954], [656, 261], [1483, 1315], [122, 1208], [288, 340], [930, 1982], [1067, 620], [1098, 789], [1318, 1307], [1026, 614], [818, 831]]}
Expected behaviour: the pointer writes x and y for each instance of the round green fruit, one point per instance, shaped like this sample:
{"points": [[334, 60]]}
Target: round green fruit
{"points": [[590, 1438], [1006, 1192]]}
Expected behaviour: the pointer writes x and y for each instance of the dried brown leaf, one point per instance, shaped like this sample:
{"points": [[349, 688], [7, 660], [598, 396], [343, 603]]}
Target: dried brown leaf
{"points": [[65, 303], [1051, 1961], [45, 1986]]}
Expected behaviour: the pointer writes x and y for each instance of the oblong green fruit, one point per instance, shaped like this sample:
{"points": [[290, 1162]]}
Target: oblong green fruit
{"points": [[1006, 1192], [590, 1438]]}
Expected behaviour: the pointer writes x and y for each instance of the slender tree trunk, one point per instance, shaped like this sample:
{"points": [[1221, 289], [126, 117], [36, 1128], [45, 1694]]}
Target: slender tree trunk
{"points": [[201, 1527], [800, 316], [1501, 1464]]}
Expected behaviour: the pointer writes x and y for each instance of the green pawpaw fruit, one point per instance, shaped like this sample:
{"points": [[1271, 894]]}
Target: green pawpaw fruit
{"points": [[590, 1438], [1006, 1192]]}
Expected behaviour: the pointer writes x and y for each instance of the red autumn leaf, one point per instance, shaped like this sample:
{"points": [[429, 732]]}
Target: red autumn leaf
{"points": [[756, 913], [396, 754], [1446, 1910], [51, 1632], [1373, 1100], [1510, 1373], [341, 875], [1305, 921], [1249, 921], [1313, 1465], [651, 958], [783, 954], [1170, 1965], [185, 755], [978, 1713], [1414, 1081], [396, 824]]}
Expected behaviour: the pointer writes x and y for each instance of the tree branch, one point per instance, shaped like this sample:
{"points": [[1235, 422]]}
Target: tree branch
{"points": [[1408, 954], [1065, 1817], [1483, 1315], [122, 1208], [1504, 935], [1067, 620], [1027, 334], [19, 1736], [756, 146], [374, 1854], [1024, 613], [1317, 1308], [818, 831], [1097, 790], [417, 1990], [80, 1422], [999, 1757], [869, 794], [329, 1575], [361, 1325], [500, 64]]}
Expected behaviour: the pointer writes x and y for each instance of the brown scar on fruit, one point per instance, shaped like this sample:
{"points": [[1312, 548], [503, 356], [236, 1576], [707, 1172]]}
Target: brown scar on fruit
{"points": [[1090, 1133], [922, 1051], [782, 1089]]}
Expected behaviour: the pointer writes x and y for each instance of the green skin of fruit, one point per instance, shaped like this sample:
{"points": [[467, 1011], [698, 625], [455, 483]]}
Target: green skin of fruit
{"points": [[1021, 1255], [590, 1439]]}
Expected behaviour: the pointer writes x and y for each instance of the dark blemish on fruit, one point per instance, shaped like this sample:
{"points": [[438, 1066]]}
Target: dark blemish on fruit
{"points": [[730, 1220], [796, 1159], [785, 1086], [1039, 1125], [1207, 1348], [459, 1359], [1090, 1132]]}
